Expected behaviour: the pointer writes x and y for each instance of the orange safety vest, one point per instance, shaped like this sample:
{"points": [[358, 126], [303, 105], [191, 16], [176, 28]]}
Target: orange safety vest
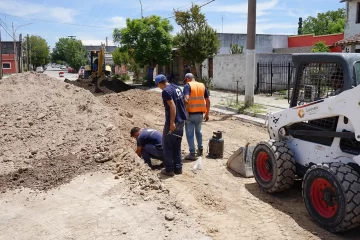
{"points": [[197, 101]]}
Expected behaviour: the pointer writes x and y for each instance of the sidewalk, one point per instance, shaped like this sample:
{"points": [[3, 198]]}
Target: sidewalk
{"points": [[225, 103]]}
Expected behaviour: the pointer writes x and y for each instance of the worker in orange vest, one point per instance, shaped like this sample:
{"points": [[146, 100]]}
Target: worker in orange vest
{"points": [[197, 105]]}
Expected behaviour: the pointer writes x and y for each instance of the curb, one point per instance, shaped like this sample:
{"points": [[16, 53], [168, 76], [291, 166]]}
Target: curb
{"points": [[248, 113], [242, 117]]}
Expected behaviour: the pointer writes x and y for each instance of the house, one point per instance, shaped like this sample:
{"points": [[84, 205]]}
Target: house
{"points": [[305, 43], [264, 43], [10, 61], [351, 42]]}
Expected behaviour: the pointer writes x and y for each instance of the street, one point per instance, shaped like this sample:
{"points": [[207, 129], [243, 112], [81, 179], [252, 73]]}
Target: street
{"points": [[54, 72]]}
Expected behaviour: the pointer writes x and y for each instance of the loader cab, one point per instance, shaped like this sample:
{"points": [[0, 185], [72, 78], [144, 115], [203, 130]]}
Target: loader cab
{"points": [[323, 75], [317, 77]]}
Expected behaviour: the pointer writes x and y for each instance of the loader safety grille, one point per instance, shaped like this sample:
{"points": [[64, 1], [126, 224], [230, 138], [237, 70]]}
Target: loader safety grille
{"points": [[318, 81], [350, 146], [325, 123]]}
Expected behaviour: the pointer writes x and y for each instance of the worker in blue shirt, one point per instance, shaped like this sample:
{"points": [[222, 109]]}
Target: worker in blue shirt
{"points": [[149, 144], [175, 116]]}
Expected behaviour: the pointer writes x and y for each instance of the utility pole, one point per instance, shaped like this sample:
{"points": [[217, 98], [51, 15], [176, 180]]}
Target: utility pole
{"points": [[250, 54], [0, 56], [21, 54], [15, 53], [28, 52], [141, 9]]}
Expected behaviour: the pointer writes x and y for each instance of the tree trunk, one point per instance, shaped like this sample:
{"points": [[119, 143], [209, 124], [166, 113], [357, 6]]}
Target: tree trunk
{"points": [[198, 67]]}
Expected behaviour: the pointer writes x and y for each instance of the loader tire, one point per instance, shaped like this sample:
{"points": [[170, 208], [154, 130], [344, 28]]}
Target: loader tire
{"points": [[331, 194], [273, 166]]}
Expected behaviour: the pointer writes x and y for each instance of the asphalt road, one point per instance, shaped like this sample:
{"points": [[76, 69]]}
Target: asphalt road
{"points": [[54, 72]]}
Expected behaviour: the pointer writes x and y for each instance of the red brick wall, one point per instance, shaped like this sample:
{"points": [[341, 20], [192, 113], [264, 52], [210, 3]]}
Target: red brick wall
{"points": [[310, 40], [9, 59]]}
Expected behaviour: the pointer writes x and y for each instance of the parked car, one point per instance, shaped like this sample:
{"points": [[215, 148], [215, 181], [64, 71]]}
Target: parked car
{"points": [[40, 69], [62, 67], [81, 72], [71, 70]]}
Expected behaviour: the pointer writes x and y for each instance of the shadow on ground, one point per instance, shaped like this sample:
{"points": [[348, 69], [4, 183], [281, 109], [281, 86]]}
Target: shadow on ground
{"points": [[290, 200]]}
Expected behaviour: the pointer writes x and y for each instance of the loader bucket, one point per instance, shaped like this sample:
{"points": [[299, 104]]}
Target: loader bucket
{"points": [[241, 161]]}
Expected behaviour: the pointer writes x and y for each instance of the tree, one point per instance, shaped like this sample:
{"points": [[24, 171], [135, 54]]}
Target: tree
{"points": [[196, 40], [235, 49], [39, 51], [325, 23], [70, 51], [320, 47], [149, 38]]}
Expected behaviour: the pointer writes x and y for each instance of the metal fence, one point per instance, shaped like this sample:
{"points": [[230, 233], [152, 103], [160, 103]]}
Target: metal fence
{"points": [[274, 79]]}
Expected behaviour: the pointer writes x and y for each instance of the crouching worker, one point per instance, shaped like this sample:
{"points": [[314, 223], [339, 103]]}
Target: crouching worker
{"points": [[149, 145]]}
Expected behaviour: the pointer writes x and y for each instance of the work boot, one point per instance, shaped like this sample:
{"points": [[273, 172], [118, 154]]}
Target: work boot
{"points": [[170, 174], [178, 171], [191, 157], [200, 152]]}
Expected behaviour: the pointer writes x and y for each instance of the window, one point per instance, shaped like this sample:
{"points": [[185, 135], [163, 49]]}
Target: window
{"points": [[358, 13], [6, 65], [318, 81], [357, 72]]}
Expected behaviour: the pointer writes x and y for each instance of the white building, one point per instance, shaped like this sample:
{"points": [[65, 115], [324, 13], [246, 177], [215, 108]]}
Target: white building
{"points": [[351, 42]]}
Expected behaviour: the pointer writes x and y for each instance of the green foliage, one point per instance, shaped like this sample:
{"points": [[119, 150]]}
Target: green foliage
{"points": [[320, 47], [207, 82], [325, 23], [115, 76], [125, 77], [235, 49], [70, 51], [196, 40], [149, 38], [121, 56], [39, 51]]}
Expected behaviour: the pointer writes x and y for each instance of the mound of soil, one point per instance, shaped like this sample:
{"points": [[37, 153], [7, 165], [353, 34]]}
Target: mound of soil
{"points": [[107, 86], [52, 131]]}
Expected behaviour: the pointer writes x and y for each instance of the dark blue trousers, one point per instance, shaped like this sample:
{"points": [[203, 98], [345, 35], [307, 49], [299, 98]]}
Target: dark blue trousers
{"points": [[150, 151], [172, 147]]}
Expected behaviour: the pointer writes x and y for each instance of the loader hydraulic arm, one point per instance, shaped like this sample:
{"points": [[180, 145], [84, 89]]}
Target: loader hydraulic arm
{"points": [[345, 104]]}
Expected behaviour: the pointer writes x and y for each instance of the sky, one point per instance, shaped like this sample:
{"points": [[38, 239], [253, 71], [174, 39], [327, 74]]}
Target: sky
{"points": [[93, 20]]}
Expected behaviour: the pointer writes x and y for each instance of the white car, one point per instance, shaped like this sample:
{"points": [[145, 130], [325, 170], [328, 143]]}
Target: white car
{"points": [[63, 67], [40, 69]]}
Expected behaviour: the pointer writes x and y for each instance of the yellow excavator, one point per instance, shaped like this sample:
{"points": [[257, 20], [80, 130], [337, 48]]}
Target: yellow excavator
{"points": [[97, 70]]}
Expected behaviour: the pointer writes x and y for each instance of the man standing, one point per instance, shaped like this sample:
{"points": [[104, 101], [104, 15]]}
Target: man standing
{"points": [[149, 144], [175, 116], [197, 104]]}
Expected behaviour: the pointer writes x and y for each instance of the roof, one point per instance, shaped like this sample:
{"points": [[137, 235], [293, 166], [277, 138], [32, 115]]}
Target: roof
{"points": [[344, 1], [353, 40]]}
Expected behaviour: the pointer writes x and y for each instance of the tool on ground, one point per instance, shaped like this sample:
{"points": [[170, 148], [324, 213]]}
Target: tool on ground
{"points": [[216, 145], [240, 161], [317, 139]]}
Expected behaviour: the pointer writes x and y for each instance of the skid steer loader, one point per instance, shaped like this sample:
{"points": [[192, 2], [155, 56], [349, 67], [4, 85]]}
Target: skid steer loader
{"points": [[318, 139]]}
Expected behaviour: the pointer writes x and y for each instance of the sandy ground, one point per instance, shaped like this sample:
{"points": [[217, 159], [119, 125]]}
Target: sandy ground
{"points": [[213, 203]]}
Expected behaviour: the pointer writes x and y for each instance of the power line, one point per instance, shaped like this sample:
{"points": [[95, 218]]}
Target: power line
{"points": [[49, 21]]}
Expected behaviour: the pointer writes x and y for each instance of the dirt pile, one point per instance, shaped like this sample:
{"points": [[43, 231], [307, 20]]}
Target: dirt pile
{"points": [[52, 131], [107, 86]]}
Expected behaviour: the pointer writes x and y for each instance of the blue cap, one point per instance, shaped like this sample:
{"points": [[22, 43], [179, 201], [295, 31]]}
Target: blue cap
{"points": [[160, 78]]}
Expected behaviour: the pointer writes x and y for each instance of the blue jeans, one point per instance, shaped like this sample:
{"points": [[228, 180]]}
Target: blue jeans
{"points": [[172, 147], [150, 151], [194, 123]]}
